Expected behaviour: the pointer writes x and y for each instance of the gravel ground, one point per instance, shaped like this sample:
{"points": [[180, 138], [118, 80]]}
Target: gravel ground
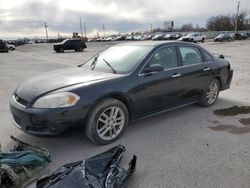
{"points": [[188, 147]]}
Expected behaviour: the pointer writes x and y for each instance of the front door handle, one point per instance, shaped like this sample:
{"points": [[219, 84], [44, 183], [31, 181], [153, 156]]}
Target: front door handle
{"points": [[206, 69], [175, 75]]}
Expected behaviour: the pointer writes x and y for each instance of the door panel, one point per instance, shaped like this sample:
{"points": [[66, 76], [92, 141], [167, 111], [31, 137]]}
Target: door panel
{"points": [[158, 90], [195, 73]]}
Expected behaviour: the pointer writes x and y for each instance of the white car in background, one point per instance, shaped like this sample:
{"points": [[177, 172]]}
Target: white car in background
{"points": [[193, 37], [11, 47]]}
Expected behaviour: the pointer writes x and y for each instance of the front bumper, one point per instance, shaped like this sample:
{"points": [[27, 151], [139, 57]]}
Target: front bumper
{"points": [[45, 121]]}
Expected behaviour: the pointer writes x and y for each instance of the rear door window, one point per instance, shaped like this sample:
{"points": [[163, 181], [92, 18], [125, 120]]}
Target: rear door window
{"points": [[190, 55], [207, 57]]}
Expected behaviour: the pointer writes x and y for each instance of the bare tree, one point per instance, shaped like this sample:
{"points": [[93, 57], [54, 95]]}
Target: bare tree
{"points": [[220, 23], [187, 27], [227, 22]]}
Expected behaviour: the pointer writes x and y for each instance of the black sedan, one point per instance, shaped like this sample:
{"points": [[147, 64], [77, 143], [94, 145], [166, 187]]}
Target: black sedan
{"points": [[125, 82]]}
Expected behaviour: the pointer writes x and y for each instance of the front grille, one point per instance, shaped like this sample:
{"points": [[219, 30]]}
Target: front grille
{"points": [[20, 100]]}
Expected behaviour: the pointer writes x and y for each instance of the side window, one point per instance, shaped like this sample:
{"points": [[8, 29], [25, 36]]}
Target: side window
{"points": [[166, 57], [207, 57], [190, 55]]}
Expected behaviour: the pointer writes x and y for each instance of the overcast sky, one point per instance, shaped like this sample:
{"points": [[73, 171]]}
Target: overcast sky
{"points": [[20, 18]]}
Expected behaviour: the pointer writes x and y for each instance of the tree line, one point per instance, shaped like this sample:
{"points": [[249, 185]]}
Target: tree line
{"points": [[227, 22], [215, 23]]}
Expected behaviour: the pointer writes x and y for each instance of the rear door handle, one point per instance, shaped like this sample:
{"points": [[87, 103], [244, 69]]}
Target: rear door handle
{"points": [[206, 69], [175, 75]]}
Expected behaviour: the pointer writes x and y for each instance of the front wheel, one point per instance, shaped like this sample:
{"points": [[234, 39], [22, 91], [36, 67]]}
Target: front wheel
{"points": [[107, 121], [210, 94]]}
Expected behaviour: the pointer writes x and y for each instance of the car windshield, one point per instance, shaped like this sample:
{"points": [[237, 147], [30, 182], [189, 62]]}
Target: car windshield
{"points": [[122, 59], [221, 35], [191, 34], [65, 40]]}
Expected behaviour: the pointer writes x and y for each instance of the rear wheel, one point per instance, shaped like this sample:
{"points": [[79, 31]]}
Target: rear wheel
{"points": [[80, 49], [61, 49], [211, 93], [107, 121]]}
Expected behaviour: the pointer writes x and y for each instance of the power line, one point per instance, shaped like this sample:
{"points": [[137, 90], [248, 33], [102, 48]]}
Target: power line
{"points": [[46, 30], [237, 18], [81, 25], [103, 28], [85, 30]]}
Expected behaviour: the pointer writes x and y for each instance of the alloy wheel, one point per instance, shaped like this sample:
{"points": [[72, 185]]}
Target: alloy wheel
{"points": [[212, 93], [110, 123]]}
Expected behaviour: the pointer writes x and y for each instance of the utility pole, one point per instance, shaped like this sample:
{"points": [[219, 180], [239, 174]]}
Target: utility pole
{"points": [[237, 18], [46, 30], [80, 19], [151, 28], [103, 28], [85, 32]]}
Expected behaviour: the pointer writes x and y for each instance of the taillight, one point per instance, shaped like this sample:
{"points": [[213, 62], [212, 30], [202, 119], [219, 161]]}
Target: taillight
{"points": [[228, 66]]}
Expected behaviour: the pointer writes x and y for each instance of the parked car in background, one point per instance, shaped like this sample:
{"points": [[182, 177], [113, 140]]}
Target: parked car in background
{"points": [[3, 46], [177, 36], [70, 44], [223, 37], [193, 37], [169, 37], [10, 47], [240, 36], [126, 82], [121, 38], [158, 37]]}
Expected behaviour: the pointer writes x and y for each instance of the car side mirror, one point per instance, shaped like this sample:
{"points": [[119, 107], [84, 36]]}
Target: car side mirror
{"points": [[221, 56], [154, 68]]}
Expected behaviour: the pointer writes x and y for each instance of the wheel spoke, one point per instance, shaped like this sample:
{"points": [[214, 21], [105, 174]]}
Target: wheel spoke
{"points": [[116, 113], [105, 115], [102, 120], [102, 129], [105, 132], [112, 112], [110, 133], [114, 130]]}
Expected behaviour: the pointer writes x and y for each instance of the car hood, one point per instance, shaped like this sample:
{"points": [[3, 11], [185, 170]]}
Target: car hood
{"points": [[51, 81]]}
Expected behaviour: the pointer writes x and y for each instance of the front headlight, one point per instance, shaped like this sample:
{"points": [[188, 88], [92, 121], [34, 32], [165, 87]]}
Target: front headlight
{"points": [[57, 100]]}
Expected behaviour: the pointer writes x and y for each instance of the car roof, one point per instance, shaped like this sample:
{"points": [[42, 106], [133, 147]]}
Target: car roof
{"points": [[151, 43]]}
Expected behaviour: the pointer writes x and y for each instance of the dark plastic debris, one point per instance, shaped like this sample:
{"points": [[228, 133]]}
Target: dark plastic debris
{"points": [[22, 164], [100, 171]]}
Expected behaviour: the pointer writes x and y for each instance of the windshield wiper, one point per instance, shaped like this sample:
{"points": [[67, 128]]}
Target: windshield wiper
{"points": [[110, 66], [93, 64]]}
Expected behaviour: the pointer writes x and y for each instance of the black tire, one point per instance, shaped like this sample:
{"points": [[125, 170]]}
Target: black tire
{"points": [[61, 49], [80, 49], [203, 40], [204, 100], [91, 129]]}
